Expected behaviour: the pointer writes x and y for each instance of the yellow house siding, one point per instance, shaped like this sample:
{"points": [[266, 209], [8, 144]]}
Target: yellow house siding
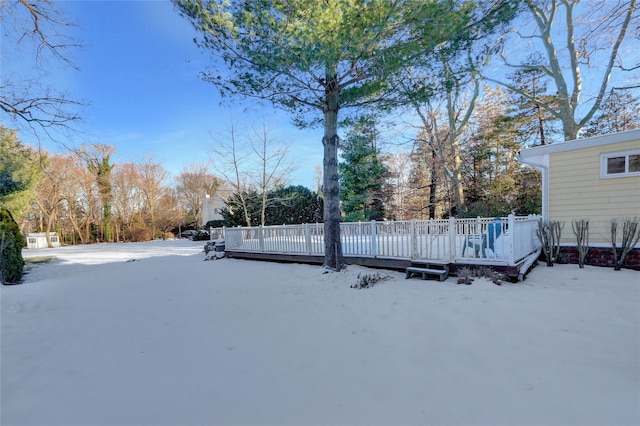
{"points": [[577, 191]]}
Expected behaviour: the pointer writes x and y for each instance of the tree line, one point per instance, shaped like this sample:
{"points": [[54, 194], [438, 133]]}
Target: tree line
{"points": [[328, 62], [86, 198], [379, 180]]}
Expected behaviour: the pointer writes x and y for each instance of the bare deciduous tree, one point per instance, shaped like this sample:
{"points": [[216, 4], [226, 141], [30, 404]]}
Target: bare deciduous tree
{"points": [[445, 141], [398, 165], [81, 199], [169, 214], [51, 192], [127, 198], [274, 166], [252, 161], [152, 177], [446, 116], [194, 183], [35, 33], [227, 158], [589, 35]]}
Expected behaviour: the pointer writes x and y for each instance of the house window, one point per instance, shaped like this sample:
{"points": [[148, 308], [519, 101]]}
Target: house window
{"points": [[54, 239], [32, 240], [620, 164]]}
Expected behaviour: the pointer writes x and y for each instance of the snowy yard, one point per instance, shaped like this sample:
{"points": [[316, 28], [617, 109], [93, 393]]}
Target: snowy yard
{"points": [[93, 338]]}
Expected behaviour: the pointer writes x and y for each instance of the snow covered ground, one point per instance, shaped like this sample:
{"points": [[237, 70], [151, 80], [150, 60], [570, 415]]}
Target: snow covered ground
{"points": [[94, 338]]}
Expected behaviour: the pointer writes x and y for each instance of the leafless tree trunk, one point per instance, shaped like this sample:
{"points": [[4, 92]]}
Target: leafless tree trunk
{"points": [[603, 28]]}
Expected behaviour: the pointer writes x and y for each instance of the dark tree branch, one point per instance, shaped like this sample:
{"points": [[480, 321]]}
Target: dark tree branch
{"points": [[25, 100]]}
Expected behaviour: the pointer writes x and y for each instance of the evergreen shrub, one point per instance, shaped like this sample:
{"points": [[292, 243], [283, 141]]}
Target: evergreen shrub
{"points": [[11, 244]]}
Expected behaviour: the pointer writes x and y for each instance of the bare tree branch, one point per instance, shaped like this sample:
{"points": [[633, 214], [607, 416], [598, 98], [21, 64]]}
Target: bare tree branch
{"points": [[36, 28]]}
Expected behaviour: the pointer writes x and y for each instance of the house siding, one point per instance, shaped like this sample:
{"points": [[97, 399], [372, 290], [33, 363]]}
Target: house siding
{"points": [[577, 191], [211, 207]]}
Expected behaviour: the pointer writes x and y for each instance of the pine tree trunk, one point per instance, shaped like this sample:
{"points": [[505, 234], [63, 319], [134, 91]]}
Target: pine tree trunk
{"points": [[331, 190]]}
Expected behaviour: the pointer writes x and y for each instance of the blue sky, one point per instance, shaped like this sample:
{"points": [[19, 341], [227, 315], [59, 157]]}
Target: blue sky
{"points": [[139, 76]]}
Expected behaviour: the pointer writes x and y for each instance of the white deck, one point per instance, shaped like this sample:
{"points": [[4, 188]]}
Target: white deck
{"points": [[501, 241]]}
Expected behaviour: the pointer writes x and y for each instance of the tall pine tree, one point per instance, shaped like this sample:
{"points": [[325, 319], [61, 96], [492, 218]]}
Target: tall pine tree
{"points": [[362, 174]]}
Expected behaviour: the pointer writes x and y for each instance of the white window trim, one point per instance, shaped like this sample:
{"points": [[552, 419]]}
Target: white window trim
{"points": [[626, 154]]}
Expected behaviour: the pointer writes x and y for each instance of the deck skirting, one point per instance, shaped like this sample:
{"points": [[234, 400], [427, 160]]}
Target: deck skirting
{"points": [[513, 272]]}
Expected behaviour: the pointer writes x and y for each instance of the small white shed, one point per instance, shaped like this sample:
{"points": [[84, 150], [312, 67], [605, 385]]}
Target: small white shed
{"points": [[39, 240]]}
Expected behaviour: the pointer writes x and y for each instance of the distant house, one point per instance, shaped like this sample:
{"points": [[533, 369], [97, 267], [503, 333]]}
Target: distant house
{"points": [[211, 208], [39, 240], [595, 178]]}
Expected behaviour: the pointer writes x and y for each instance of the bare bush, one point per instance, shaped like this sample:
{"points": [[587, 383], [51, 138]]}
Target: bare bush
{"points": [[369, 280], [630, 237], [580, 229], [549, 233], [467, 275]]}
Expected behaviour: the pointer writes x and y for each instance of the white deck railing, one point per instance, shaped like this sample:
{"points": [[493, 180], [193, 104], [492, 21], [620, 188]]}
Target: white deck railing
{"points": [[505, 240]]}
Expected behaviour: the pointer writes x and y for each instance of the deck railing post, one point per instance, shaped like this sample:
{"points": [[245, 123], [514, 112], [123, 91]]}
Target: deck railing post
{"points": [[479, 231], [374, 239], [414, 240], [307, 237], [452, 239], [261, 238], [512, 230], [535, 241]]}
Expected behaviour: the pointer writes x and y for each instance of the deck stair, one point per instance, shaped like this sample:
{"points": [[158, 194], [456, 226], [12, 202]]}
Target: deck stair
{"points": [[428, 270]]}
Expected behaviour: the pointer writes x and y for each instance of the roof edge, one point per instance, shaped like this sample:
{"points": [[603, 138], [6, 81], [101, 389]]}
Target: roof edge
{"points": [[600, 140]]}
